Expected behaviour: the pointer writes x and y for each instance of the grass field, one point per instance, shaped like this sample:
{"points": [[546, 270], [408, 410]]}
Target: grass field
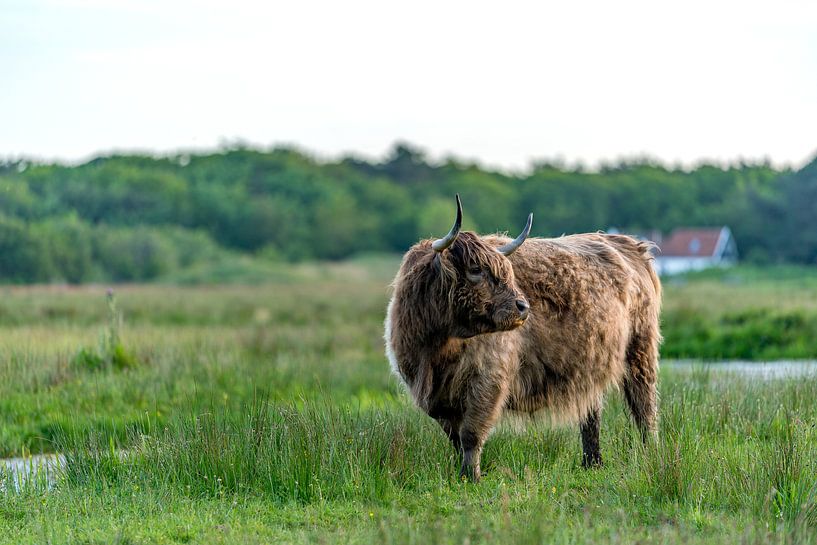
{"points": [[256, 414]]}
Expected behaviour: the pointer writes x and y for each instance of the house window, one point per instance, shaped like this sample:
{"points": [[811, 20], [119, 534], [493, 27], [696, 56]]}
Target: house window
{"points": [[694, 246]]}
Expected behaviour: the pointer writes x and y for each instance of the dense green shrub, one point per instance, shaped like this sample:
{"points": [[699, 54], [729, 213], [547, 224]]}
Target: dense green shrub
{"points": [[752, 334]]}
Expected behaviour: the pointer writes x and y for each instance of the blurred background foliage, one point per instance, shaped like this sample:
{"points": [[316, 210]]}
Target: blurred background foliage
{"points": [[136, 218]]}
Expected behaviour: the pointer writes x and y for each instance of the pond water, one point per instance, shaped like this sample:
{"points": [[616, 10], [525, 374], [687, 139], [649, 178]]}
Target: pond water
{"points": [[768, 370], [19, 471]]}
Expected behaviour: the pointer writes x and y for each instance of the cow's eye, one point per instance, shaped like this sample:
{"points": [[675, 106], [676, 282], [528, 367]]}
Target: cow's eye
{"points": [[475, 274]]}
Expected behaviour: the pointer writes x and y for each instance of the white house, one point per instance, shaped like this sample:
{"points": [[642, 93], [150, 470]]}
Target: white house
{"points": [[695, 249]]}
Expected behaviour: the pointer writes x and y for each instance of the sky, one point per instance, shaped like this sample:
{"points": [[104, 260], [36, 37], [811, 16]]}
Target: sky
{"points": [[503, 83]]}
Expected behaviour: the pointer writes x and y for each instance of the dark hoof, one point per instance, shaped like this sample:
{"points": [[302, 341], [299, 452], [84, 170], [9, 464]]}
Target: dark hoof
{"points": [[592, 462], [470, 474]]}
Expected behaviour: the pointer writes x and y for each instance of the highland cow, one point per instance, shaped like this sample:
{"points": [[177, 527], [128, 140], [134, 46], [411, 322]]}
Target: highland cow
{"points": [[481, 325]]}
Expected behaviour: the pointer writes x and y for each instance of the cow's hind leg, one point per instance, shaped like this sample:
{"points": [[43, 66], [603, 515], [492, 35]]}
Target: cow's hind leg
{"points": [[451, 427], [640, 383], [590, 426]]}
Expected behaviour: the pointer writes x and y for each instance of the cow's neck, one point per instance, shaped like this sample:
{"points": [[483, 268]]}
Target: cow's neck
{"points": [[424, 345], [424, 350]]}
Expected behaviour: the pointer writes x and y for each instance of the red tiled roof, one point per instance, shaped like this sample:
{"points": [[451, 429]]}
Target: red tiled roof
{"points": [[691, 243]]}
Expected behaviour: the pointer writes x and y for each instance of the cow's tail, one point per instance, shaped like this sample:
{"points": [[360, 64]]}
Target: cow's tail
{"points": [[641, 378]]}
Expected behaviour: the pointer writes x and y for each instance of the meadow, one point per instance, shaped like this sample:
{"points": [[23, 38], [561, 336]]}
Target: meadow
{"points": [[266, 413]]}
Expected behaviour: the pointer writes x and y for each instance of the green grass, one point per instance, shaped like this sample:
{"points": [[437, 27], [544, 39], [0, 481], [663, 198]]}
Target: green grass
{"points": [[257, 414], [733, 458]]}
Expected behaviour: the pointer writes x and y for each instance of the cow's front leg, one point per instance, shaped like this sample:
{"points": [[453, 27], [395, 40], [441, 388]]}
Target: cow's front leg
{"points": [[484, 406], [591, 453], [451, 427]]}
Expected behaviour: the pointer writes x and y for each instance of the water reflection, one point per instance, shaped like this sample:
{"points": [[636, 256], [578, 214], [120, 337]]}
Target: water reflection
{"points": [[41, 470], [750, 369]]}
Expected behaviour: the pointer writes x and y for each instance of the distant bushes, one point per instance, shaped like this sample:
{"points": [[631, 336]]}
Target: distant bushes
{"points": [[68, 249], [144, 253], [23, 253], [136, 218]]}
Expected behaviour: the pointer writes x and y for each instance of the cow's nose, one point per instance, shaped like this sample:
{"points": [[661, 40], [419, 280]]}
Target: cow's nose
{"points": [[523, 307]]}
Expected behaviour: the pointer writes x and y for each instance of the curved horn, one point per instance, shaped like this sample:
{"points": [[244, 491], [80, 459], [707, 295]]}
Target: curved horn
{"points": [[513, 245], [442, 243]]}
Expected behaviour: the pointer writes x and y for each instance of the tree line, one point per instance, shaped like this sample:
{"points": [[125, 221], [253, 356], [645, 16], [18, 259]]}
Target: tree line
{"points": [[132, 217]]}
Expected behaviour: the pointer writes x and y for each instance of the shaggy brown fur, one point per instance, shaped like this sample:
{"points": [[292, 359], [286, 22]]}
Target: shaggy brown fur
{"points": [[457, 334]]}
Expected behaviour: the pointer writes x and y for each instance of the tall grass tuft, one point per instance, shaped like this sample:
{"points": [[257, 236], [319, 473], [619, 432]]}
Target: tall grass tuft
{"points": [[787, 470], [110, 352], [286, 452]]}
